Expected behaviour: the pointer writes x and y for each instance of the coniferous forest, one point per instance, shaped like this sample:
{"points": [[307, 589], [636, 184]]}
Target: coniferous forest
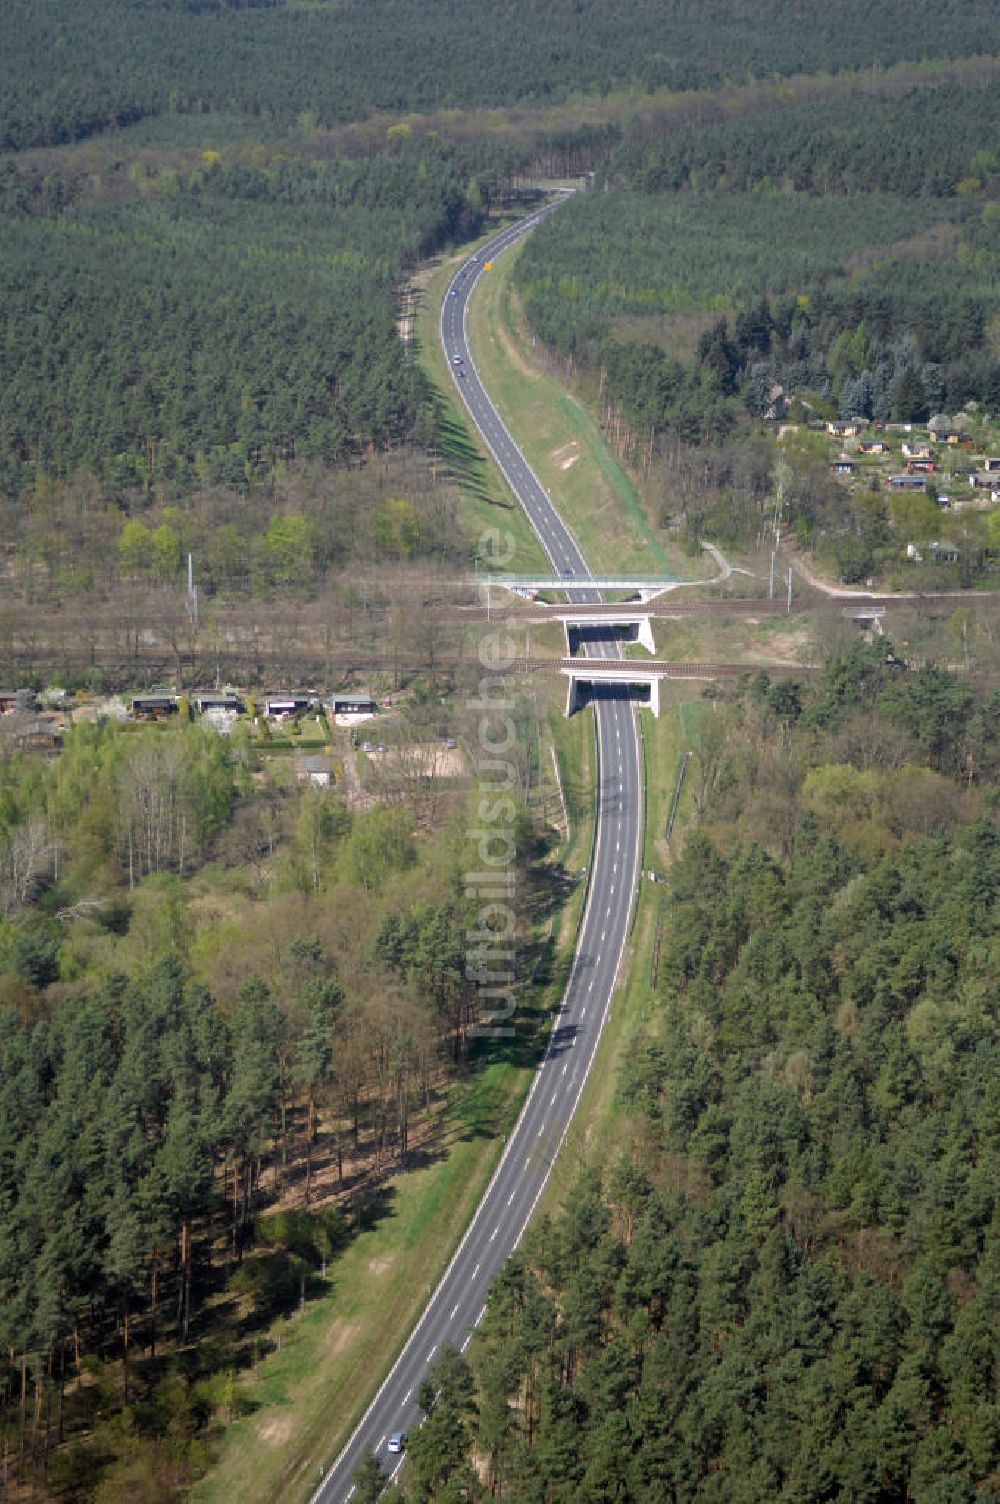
{"points": [[72, 69], [792, 232], [225, 317]]}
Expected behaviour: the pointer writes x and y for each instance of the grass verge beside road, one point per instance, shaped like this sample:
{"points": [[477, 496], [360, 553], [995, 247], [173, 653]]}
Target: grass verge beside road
{"points": [[594, 495], [305, 1398], [601, 1132], [562, 442]]}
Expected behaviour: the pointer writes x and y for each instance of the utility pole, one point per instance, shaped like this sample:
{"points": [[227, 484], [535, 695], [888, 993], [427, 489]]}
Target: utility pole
{"points": [[781, 473], [789, 610], [770, 588], [192, 593]]}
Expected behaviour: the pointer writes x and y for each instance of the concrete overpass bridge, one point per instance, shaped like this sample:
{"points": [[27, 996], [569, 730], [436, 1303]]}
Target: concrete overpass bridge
{"points": [[639, 587], [644, 675], [581, 625], [583, 621]]}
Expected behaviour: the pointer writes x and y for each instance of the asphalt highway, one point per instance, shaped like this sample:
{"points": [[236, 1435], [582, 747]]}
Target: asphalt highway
{"points": [[457, 1304]]}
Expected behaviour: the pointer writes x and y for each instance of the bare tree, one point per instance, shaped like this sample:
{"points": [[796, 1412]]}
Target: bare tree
{"points": [[155, 824], [26, 857]]}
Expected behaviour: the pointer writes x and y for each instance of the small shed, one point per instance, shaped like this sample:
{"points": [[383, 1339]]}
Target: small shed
{"points": [[315, 770], [153, 707], [33, 733], [287, 703], [947, 435], [348, 710], [17, 701], [282, 704], [983, 481], [777, 405], [220, 704], [945, 553]]}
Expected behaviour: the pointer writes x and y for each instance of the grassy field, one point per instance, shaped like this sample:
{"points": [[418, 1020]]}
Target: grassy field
{"points": [[573, 742], [763, 640], [666, 740], [562, 442]]}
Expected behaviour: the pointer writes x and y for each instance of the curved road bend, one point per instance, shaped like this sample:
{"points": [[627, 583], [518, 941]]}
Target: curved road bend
{"points": [[510, 1198]]}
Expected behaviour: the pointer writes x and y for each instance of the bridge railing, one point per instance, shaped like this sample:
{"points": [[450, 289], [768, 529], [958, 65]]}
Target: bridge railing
{"points": [[577, 581]]}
